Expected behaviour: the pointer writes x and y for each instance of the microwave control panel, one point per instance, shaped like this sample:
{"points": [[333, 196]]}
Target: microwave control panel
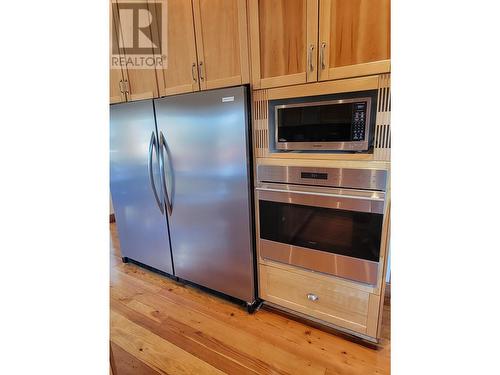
{"points": [[358, 121]]}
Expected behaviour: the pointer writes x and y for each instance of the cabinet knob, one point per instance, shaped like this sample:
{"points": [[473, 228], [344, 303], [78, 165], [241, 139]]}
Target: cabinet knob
{"points": [[312, 297]]}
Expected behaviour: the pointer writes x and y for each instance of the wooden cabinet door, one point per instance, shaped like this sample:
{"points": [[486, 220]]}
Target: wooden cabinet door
{"points": [[354, 38], [221, 42], [141, 82], [116, 95], [283, 35], [180, 74], [116, 85]]}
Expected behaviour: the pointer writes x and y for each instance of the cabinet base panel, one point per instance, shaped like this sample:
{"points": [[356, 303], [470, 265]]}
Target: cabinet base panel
{"points": [[369, 341]]}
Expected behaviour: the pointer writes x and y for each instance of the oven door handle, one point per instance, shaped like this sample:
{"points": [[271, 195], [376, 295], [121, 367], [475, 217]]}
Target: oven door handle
{"points": [[331, 200], [374, 199]]}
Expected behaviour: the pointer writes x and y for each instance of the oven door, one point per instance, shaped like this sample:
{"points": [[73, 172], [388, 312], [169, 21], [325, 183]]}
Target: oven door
{"points": [[334, 231]]}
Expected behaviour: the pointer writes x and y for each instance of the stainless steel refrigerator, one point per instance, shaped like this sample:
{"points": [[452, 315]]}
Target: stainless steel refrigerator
{"points": [[181, 187]]}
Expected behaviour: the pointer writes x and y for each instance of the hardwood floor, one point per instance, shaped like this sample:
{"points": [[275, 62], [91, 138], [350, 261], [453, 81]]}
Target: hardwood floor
{"points": [[159, 326]]}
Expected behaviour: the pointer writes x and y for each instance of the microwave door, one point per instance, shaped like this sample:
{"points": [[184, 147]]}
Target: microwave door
{"points": [[324, 125]]}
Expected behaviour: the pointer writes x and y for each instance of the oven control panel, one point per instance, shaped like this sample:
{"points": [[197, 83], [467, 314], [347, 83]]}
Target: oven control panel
{"points": [[371, 179], [358, 121], [314, 175]]}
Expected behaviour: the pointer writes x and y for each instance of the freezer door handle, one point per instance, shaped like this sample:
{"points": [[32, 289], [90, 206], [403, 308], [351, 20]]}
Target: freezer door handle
{"points": [[168, 198], [153, 145]]}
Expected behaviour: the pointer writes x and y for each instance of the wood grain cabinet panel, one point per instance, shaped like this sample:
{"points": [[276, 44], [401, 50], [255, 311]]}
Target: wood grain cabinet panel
{"points": [[116, 77], [222, 42], [283, 36], [115, 82], [354, 38], [337, 304], [141, 82], [204, 46], [180, 74]]}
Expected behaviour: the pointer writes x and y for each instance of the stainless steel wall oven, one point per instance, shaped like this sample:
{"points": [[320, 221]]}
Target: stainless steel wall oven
{"points": [[323, 219], [337, 122]]}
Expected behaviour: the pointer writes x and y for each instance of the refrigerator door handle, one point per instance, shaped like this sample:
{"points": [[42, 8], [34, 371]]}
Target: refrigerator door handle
{"points": [[168, 199], [153, 145]]}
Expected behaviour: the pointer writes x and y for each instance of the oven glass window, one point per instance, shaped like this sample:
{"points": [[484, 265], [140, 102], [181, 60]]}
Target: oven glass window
{"points": [[355, 234], [320, 123]]}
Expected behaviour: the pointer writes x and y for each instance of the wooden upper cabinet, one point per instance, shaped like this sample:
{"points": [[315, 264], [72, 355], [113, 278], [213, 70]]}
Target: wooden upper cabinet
{"points": [[179, 75], [141, 82], [116, 95], [116, 79], [354, 38], [283, 37], [221, 42], [203, 45]]}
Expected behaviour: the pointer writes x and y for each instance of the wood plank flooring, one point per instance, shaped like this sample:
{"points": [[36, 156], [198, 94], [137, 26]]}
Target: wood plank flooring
{"points": [[158, 326]]}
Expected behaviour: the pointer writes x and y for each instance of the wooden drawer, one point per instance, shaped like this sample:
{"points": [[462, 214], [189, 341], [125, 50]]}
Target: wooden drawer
{"points": [[337, 304]]}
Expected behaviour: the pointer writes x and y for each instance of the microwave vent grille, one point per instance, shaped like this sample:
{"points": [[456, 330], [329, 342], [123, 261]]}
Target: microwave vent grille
{"points": [[261, 135], [382, 141]]}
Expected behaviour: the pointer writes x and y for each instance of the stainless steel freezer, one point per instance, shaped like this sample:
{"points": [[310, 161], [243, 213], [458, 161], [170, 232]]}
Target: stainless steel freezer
{"points": [[205, 157], [135, 185]]}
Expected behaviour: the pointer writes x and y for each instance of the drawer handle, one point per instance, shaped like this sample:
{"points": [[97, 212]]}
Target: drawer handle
{"points": [[312, 297]]}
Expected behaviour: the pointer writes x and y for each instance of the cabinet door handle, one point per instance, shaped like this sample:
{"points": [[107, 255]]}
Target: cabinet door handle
{"points": [[322, 52], [310, 57], [312, 297], [124, 86], [200, 70], [193, 71]]}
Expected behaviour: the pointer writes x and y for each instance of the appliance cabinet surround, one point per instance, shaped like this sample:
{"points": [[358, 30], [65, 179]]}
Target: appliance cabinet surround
{"points": [[298, 41], [207, 43], [322, 235]]}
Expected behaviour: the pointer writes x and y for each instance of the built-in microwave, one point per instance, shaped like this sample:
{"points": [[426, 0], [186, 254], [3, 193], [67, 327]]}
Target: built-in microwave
{"points": [[342, 122]]}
